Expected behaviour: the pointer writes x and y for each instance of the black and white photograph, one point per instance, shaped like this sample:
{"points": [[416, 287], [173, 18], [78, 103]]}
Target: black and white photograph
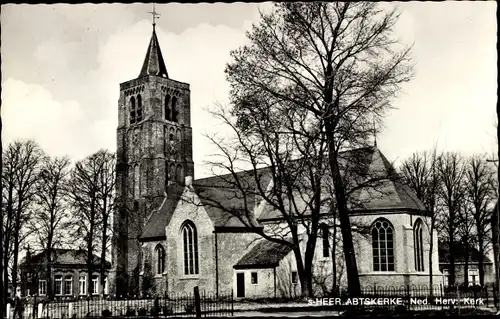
{"points": [[249, 159]]}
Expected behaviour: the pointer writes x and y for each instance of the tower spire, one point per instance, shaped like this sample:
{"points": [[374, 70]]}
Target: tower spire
{"points": [[155, 16], [153, 62]]}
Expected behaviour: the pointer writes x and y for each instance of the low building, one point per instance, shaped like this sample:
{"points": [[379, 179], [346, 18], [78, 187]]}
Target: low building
{"points": [[68, 277], [473, 266]]}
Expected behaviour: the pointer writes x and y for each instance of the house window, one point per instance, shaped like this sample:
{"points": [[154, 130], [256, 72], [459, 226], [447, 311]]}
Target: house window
{"points": [[254, 278], [95, 285], [473, 277], [68, 285], [418, 246], [383, 246], [190, 242], [295, 277], [446, 277], [326, 242], [42, 287], [82, 285], [160, 259], [58, 285]]}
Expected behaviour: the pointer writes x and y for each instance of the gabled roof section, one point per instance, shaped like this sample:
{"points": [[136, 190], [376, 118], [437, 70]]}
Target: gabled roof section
{"points": [[153, 63], [459, 252], [158, 221], [265, 254], [64, 257]]}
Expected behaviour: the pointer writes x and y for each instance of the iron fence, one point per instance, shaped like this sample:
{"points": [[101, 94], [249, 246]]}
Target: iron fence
{"points": [[171, 305]]}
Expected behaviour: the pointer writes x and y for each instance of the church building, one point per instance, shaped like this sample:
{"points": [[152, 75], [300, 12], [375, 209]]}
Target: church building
{"points": [[164, 243]]}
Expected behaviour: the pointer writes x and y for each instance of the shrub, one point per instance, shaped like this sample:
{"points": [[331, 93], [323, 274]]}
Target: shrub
{"points": [[142, 312], [106, 313], [168, 310], [130, 312], [189, 307]]}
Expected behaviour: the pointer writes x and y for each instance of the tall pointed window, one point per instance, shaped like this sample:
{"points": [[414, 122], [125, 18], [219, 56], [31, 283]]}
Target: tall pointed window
{"points": [[139, 109], [383, 245], [326, 240], [167, 107], [132, 110], [160, 259], [137, 182], [190, 245], [418, 245], [179, 174], [175, 110]]}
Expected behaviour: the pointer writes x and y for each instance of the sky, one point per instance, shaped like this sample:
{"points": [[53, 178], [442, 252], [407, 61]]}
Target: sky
{"points": [[62, 65]]}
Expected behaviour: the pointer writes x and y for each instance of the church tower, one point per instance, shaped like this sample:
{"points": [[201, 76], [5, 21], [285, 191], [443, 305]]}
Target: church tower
{"points": [[154, 150]]}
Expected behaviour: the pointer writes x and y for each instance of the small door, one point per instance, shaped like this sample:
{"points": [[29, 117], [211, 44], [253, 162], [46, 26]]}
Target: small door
{"points": [[240, 285]]}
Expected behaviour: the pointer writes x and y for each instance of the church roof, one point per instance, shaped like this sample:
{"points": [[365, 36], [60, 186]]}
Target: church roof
{"points": [[153, 62], [265, 254], [159, 219], [384, 191]]}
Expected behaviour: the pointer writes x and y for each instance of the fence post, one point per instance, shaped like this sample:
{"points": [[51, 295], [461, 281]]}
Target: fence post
{"points": [[197, 302], [70, 310], [40, 310], [8, 310]]}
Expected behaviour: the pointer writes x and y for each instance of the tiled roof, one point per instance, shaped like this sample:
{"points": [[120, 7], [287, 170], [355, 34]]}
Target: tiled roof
{"points": [[153, 62], [158, 221], [459, 252], [65, 257], [265, 254], [386, 191]]}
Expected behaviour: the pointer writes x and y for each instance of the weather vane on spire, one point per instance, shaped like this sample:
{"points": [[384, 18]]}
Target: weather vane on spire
{"points": [[155, 15]]}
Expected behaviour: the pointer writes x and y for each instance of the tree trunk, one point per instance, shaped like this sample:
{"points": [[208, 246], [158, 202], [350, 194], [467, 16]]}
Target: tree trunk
{"points": [[353, 284], [334, 260], [466, 265], [103, 255], [480, 261], [431, 247], [451, 282], [301, 272]]}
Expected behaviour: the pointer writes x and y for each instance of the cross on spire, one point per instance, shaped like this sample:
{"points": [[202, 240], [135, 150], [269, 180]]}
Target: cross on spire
{"points": [[155, 15]]}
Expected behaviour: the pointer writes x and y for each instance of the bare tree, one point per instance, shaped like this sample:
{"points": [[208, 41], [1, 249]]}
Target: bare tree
{"points": [[106, 204], [451, 169], [84, 195], [336, 61], [420, 173], [480, 193], [22, 159], [50, 216]]}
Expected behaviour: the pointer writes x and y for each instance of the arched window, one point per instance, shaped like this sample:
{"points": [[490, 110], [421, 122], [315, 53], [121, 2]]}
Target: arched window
{"points": [[383, 245], [190, 245], [418, 245], [178, 135], [167, 107], [160, 259], [325, 232], [139, 109], [175, 110], [172, 171], [132, 110], [137, 182], [179, 173]]}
